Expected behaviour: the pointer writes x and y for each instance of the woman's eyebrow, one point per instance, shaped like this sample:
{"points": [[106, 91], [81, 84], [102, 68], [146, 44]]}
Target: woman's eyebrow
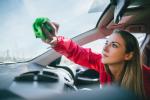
{"points": [[116, 42], [113, 42]]}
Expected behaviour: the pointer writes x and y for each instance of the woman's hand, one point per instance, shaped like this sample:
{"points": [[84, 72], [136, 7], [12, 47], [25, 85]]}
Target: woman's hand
{"points": [[51, 36]]}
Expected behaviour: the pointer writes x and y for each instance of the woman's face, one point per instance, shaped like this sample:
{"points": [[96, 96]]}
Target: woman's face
{"points": [[114, 50]]}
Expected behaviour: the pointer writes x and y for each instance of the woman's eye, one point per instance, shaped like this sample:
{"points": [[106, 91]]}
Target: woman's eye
{"points": [[114, 46], [106, 43]]}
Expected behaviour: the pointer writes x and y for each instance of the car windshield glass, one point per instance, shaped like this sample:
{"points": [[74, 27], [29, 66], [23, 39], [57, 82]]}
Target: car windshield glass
{"points": [[18, 42]]}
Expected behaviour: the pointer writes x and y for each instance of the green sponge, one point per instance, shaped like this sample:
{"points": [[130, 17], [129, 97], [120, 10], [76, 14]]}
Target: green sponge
{"points": [[37, 27]]}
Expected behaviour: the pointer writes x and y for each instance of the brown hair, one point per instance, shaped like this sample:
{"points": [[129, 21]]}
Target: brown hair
{"points": [[131, 76]]}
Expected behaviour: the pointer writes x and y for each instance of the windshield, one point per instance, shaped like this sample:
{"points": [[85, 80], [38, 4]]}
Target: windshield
{"points": [[18, 42]]}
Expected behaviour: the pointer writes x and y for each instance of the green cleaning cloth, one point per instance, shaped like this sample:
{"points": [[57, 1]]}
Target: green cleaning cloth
{"points": [[37, 27]]}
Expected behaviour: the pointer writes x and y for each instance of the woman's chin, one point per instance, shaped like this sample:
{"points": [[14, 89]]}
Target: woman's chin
{"points": [[104, 61]]}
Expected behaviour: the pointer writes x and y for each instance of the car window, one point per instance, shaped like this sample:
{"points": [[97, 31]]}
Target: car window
{"points": [[140, 37], [17, 40]]}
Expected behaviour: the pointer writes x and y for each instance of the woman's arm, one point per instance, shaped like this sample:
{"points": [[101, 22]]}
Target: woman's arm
{"points": [[68, 48], [77, 54]]}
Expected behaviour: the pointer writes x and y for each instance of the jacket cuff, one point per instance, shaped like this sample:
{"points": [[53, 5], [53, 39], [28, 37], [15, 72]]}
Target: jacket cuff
{"points": [[57, 42]]}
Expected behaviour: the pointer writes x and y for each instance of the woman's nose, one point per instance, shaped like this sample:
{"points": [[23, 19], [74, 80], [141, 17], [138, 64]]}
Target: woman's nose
{"points": [[106, 47]]}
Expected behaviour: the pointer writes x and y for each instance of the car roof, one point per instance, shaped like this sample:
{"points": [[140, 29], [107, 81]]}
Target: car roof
{"points": [[135, 17]]}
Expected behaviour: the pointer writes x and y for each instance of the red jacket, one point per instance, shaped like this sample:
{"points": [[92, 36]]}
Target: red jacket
{"points": [[85, 57]]}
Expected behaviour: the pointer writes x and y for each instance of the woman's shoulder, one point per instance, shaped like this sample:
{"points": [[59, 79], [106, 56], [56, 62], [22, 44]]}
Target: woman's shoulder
{"points": [[146, 77], [146, 69]]}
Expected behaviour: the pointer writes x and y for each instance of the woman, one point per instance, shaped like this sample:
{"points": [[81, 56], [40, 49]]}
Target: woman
{"points": [[119, 62]]}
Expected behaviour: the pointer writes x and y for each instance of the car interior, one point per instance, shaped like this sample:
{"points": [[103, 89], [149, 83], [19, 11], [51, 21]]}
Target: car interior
{"points": [[45, 78]]}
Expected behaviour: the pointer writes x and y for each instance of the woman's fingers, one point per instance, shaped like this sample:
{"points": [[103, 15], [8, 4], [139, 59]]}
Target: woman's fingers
{"points": [[46, 41], [51, 32], [54, 27], [47, 33]]}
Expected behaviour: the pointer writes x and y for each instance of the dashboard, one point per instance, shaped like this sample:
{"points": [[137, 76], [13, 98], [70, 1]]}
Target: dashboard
{"points": [[33, 81]]}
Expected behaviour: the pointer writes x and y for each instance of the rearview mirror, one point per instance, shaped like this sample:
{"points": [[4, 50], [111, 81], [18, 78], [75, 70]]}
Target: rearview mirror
{"points": [[120, 7]]}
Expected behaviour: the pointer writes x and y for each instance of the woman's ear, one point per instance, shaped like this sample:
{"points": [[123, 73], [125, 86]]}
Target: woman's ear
{"points": [[128, 56]]}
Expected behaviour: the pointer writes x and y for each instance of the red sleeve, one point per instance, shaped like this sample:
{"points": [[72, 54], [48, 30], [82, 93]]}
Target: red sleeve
{"points": [[79, 55], [146, 75]]}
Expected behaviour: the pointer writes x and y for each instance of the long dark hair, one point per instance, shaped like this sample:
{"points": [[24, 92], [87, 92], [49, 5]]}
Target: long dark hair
{"points": [[131, 76]]}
